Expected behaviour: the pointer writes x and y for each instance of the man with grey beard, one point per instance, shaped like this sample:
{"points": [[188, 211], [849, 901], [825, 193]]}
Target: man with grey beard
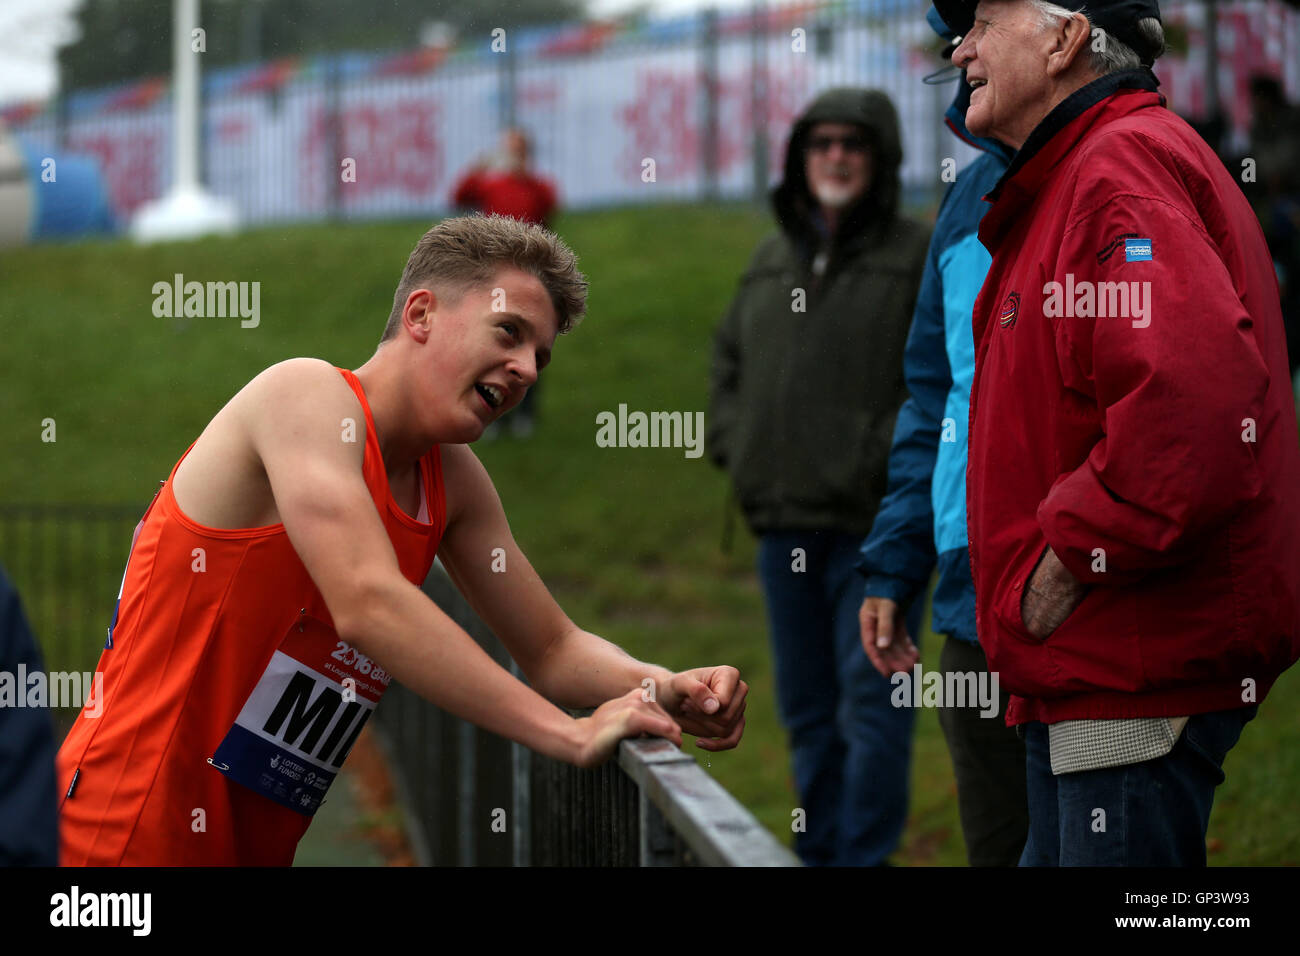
{"points": [[807, 380]]}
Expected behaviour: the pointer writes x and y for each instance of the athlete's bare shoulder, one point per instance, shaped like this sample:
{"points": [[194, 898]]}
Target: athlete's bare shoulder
{"points": [[297, 383], [222, 483]]}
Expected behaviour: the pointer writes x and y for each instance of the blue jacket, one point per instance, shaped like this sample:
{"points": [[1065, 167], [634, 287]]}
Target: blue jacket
{"points": [[922, 519], [29, 823]]}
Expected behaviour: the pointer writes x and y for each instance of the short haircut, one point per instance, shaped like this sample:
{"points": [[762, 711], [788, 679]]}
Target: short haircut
{"points": [[467, 252]]}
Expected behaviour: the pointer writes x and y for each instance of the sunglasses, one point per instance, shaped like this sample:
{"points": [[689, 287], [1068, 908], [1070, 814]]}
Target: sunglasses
{"points": [[850, 144]]}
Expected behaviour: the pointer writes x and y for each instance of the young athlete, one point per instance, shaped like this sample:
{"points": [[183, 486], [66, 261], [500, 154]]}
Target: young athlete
{"points": [[273, 589]]}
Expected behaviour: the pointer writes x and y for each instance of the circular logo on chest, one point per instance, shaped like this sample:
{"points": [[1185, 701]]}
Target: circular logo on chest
{"points": [[1010, 309]]}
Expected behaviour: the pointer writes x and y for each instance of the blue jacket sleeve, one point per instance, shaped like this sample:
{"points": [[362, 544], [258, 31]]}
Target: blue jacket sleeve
{"points": [[28, 815], [899, 555]]}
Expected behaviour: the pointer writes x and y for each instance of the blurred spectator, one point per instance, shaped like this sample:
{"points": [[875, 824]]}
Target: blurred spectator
{"points": [[1274, 136], [505, 185], [807, 380], [1275, 196], [29, 833]]}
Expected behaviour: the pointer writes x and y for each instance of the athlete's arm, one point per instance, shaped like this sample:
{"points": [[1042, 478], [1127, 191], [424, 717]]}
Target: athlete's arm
{"points": [[564, 662], [296, 429]]}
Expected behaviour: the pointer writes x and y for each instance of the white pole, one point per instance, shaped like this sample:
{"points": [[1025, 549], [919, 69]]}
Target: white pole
{"points": [[187, 210], [185, 107]]}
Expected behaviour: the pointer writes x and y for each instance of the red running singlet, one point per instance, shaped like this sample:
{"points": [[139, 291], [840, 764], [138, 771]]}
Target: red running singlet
{"points": [[228, 702]]}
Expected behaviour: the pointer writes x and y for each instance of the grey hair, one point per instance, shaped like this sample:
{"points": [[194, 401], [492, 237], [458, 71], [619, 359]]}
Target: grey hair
{"points": [[1114, 54]]}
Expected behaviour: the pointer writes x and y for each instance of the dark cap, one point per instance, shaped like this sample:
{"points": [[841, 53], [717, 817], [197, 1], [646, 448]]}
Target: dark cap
{"points": [[1119, 18]]}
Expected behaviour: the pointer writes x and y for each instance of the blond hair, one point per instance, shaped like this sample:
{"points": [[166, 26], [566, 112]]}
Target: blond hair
{"points": [[460, 254]]}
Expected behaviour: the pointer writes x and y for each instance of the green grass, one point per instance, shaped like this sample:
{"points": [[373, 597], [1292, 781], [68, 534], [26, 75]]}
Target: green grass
{"points": [[628, 539]]}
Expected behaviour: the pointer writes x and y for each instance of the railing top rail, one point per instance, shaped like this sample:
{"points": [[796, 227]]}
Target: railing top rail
{"points": [[714, 824]]}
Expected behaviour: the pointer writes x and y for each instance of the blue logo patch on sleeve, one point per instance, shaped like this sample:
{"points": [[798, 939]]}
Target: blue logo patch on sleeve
{"points": [[1137, 250]]}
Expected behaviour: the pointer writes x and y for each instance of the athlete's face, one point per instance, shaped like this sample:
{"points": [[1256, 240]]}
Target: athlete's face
{"points": [[485, 350]]}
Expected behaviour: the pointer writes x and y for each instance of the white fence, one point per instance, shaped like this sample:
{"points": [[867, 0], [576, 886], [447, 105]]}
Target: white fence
{"points": [[710, 101]]}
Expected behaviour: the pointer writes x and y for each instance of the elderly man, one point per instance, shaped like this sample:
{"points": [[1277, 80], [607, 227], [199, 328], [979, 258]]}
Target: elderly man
{"points": [[807, 380], [1134, 527]]}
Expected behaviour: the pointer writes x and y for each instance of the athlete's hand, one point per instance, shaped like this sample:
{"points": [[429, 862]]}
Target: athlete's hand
{"points": [[708, 702], [885, 637], [628, 716]]}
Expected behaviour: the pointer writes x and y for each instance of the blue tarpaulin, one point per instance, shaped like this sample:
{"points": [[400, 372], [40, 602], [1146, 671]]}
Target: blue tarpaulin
{"points": [[75, 203]]}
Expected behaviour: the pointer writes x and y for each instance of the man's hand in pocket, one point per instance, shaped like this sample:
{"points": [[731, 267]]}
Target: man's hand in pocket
{"points": [[1052, 593]]}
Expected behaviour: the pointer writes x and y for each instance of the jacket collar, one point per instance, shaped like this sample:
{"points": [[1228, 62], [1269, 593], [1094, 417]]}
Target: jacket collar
{"points": [[1053, 139]]}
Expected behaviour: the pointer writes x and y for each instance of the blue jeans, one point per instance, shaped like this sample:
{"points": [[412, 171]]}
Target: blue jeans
{"points": [[851, 749], [1154, 813]]}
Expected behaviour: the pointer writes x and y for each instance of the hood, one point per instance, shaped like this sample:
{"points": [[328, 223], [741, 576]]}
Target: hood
{"points": [[792, 201]]}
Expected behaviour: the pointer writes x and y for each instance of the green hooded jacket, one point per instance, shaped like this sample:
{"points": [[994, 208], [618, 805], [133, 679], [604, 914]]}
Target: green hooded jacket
{"points": [[807, 373]]}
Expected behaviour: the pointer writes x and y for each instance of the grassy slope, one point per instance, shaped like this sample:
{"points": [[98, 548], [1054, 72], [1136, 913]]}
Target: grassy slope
{"points": [[627, 538]]}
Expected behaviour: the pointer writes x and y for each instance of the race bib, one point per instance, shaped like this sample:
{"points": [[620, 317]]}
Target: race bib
{"points": [[302, 718]]}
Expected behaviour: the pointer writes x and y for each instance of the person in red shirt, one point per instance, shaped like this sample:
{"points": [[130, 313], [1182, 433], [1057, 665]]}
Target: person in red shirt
{"points": [[507, 186], [273, 587]]}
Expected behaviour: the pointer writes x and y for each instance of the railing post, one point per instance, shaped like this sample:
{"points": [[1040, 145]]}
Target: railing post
{"points": [[658, 845], [709, 84], [334, 135], [507, 87], [520, 798], [467, 775], [758, 97], [521, 805]]}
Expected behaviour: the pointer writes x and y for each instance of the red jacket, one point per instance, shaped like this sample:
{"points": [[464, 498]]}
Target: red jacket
{"points": [[518, 195], [1154, 450]]}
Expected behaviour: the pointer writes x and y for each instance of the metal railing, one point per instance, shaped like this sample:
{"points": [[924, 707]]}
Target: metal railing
{"points": [[66, 562], [504, 805]]}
